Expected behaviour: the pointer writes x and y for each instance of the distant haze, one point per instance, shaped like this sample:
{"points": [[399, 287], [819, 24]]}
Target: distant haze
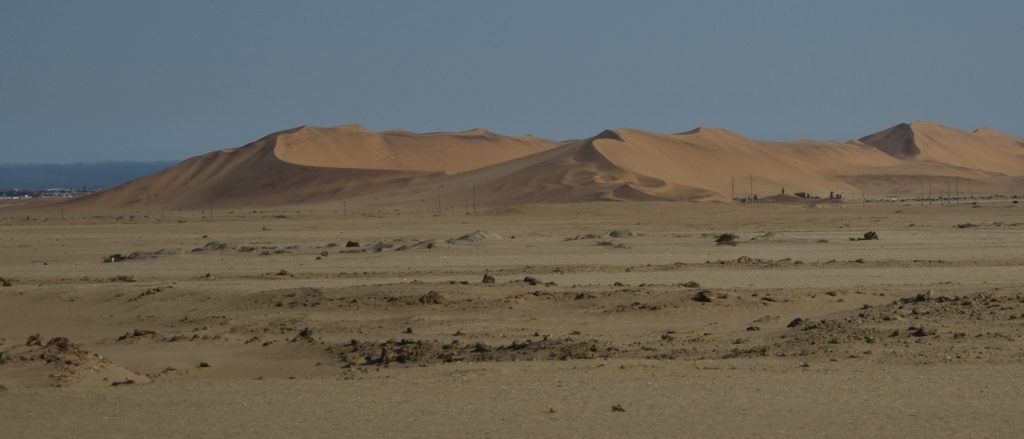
{"points": [[74, 175], [142, 81]]}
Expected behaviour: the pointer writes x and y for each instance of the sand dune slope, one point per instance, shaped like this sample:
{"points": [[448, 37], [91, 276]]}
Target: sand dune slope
{"points": [[398, 168], [704, 164], [355, 147], [309, 164], [574, 172], [984, 150]]}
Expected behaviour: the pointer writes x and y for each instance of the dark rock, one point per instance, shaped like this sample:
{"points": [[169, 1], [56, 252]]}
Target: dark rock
{"points": [[922, 331], [476, 236], [212, 246], [708, 296], [432, 298], [305, 334], [116, 257], [622, 233], [488, 279], [922, 297], [726, 239], [136, 334], [34, 340]]}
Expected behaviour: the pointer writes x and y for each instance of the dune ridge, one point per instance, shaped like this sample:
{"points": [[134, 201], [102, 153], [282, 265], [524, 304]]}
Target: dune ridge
{"points": [[313, 165], [355, 147], [310, 164], [984, 149]]}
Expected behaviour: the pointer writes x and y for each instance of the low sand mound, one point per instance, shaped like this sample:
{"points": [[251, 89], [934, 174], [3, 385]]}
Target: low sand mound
{"points": [[59, 362], [476, 236]]}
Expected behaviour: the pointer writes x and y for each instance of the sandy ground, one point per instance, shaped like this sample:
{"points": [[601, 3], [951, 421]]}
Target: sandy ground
{"points": [[267, 323]]}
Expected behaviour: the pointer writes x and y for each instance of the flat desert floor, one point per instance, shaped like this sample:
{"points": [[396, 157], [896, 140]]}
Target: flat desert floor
{"points": [[597, 320]]}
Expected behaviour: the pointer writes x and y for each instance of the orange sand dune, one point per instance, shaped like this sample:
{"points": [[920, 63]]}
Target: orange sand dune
{"points": [[309, 164], [709, 164], [984, 150], [352, 146], [396, 168]]}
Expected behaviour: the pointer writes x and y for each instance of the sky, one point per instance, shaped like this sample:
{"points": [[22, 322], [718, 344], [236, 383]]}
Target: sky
{"points": [[156, 80]]}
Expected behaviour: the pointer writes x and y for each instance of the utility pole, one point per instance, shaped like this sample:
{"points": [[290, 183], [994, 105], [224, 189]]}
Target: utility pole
{"points": [[922, 192], [929, 190], [732, 191], [751, 199], [474, 198], [958, 191]]}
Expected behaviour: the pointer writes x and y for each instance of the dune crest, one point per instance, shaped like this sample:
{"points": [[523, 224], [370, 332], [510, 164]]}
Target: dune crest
{"points": [[985, 149], [311, 164], [355, 147]]}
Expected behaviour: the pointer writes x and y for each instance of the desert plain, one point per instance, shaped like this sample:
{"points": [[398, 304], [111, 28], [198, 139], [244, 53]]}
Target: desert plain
{"points": [[596, 319]]}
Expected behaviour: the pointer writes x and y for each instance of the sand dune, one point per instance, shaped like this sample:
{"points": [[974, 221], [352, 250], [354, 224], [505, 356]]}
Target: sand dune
{"points": [[310, 164], [355, 147], [574, 172], [711, 164], [984, 150], [399, 168]]}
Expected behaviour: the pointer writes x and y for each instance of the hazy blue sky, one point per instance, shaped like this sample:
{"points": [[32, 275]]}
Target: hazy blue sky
{"points": [[147, 80]]}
